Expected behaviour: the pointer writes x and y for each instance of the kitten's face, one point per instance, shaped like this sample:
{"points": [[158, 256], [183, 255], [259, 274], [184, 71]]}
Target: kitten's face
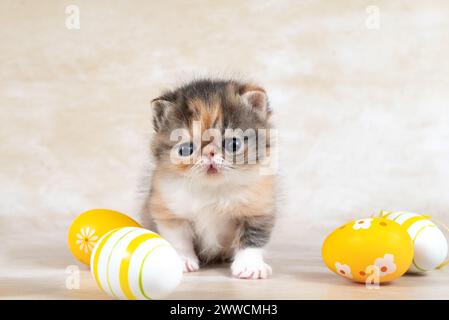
{"points": [[211, 130]]}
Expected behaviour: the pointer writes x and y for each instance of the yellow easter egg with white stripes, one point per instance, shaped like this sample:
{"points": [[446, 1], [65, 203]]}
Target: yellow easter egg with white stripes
{"points": [[430, 244], [135, 264]]}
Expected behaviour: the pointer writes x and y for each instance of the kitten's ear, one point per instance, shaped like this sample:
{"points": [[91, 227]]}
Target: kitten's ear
{"points": [[160, 112], [256, 98]]}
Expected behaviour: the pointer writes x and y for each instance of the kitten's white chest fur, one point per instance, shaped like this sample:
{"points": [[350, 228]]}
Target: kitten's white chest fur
{"points": [[208, 208]]}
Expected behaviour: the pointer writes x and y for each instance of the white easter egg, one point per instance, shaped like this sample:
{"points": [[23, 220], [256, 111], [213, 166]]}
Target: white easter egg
{"points": [[136, 264], [430, 244]]}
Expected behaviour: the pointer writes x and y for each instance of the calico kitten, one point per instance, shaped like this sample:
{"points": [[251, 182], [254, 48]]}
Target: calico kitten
{"points": [[209, 197]]}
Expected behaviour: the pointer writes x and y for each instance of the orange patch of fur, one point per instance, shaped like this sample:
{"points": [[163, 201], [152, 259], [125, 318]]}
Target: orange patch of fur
{"points": [[251, 87], [157, 206], [207, 113], [260, 199]]}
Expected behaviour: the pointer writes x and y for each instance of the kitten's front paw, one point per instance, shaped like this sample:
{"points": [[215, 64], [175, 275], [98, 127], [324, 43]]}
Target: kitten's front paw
{"points": [[251, 271], [250, 266], [190, 263]]}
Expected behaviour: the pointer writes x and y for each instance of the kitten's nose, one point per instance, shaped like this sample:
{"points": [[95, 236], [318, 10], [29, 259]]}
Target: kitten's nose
{"points": [[210, 151]]}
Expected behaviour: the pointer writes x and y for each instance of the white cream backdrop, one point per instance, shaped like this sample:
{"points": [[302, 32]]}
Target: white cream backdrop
{"points": [[362, 113]]}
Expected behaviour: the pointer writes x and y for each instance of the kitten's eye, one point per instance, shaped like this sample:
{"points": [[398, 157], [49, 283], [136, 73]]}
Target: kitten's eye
{"points": [[232, 144], [185, 149]]}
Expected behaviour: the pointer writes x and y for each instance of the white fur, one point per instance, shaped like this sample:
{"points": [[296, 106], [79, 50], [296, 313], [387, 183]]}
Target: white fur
{"points": [[208, 206], [182, 238], [208, 210], [249, 264]]}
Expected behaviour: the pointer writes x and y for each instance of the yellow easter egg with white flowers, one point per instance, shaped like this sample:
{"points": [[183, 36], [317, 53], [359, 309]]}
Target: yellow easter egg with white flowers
{"points": [[87, 228], [374, 250]]}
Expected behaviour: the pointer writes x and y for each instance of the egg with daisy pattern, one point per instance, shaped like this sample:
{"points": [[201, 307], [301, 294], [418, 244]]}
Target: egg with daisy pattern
{"points": [[372, 250], [88, 227]]}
